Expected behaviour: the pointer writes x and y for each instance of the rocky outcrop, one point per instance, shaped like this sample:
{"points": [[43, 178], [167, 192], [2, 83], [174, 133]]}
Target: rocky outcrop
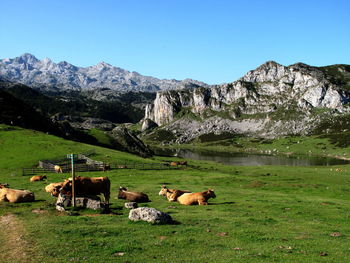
{"points": [[252, 104], [125, 140], [47, 75]]}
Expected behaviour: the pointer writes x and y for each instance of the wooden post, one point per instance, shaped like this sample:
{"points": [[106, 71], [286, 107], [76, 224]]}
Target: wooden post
{"points": [[73, 180]]}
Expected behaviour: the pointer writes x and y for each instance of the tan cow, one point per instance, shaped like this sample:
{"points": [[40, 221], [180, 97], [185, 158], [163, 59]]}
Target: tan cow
{"points": [[15, 196], [54, 188], [36, 178], [171, 194], [58, 169], [200, 198]]}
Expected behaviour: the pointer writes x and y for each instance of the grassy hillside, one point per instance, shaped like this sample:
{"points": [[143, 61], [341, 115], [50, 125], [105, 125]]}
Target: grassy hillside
{"points": [[261, 214]]}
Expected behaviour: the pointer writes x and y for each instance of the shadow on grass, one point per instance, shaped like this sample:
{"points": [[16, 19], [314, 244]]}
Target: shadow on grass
{"points": [[223, 203]]}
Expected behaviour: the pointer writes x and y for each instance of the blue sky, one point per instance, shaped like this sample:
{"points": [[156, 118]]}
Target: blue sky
{"points": [[213, 41]]}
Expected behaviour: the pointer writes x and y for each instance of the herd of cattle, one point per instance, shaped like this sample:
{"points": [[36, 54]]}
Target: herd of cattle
{"points": [[87, 186]]}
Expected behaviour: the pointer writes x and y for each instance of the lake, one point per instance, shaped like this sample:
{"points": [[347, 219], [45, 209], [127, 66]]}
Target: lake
{"points": [[246, 159]]}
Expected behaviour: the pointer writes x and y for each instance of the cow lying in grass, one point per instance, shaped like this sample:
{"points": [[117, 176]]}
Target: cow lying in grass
{"points": [[85, 186], [200, 198], [138, 197], [15, 196], [38, 178], [171, 192], [54, 188]]}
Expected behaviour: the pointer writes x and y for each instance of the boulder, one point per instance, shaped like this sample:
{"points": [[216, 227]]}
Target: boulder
{"points": [[150, 215], [91, 202]]}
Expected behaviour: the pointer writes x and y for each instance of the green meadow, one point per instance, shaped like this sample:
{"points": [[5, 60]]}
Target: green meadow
{"points": [[261, 214]]}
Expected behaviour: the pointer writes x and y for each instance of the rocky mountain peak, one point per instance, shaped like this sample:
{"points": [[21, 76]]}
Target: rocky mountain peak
{"points": [[28, 70], [290, 94]]}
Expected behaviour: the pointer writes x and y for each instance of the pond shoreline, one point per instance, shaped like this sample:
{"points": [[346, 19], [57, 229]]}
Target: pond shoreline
{"points": [[273, 157]]}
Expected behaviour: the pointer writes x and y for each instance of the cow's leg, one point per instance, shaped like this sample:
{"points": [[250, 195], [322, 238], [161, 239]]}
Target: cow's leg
{"points": [[202, 202], [3, 198], [107, 196]]}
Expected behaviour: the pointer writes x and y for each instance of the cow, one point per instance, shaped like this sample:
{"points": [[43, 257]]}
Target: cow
{"points": [[54, 188], [138, 197], [200, 198], [169, 192], [85, 186], [6, 185], [178, 163], [38, 178], [58, 169], [174, 164], [15, 196]]}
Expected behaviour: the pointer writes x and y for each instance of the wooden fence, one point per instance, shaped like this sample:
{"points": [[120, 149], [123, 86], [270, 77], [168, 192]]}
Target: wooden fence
{"points": [[100, 167]]}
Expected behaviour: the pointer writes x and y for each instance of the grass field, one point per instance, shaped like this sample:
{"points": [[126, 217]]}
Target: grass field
{"points": [[261, 214]]}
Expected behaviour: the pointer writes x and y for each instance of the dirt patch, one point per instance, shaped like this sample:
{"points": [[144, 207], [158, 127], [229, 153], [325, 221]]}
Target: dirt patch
{"points": [[14, 247]]}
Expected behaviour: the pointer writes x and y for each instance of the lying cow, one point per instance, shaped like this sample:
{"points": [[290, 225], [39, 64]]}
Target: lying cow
{"points": [[173, 193], [38, 178], [200, 198], [85, 186], [54, 188], [15, 196], [138, 197]]}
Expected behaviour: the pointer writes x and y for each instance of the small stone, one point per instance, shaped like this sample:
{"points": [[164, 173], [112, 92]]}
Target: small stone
{"points": [[131, 205]]}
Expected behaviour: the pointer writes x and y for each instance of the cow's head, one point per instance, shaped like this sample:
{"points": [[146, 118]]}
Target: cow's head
{"points": [[163, 191], [66, 188], [211, 193], [4, 185], [56, 190]]}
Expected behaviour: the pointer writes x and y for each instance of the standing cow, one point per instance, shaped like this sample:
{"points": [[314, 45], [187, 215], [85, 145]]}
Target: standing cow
{"points": [[88, 186]]}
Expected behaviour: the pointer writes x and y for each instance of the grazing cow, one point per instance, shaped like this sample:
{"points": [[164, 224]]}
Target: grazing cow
{"points": [[15, 196], [54, 188], [200, 198], [58, 169], [38, 178], [138, 197], [88, 186], [170, 193]]}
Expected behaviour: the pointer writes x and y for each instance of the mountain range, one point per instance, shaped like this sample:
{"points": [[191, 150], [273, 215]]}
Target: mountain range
{"points": [[49, 76]]}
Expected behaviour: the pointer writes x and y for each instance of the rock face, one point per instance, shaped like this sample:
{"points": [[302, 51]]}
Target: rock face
{"points": [[45, 74], [262, 101], [129, 142], [150, 215]]}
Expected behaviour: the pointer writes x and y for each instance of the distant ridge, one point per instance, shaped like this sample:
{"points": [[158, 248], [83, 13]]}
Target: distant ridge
{"points": [[46, 74]]}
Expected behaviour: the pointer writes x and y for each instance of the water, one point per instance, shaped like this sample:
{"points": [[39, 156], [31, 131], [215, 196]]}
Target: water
{"points": [[245, 159]]}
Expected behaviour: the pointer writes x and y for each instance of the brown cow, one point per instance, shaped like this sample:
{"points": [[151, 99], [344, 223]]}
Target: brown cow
{"points": [[88, 186], [169, 192], [54, 188], [36, 178], [15, 196], [200, 198], [138, 197]]}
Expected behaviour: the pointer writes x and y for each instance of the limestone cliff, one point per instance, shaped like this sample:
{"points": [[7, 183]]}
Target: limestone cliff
{"points": [[269, 101]]}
